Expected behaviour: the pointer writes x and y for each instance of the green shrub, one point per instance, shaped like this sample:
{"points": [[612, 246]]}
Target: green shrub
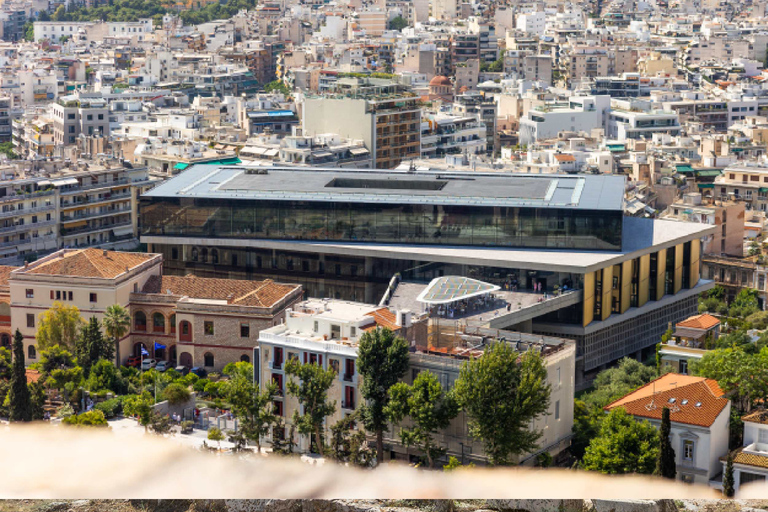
{"points": [[200, 385], [94, 418], [189, 379], [111, 407], [176, 394]]}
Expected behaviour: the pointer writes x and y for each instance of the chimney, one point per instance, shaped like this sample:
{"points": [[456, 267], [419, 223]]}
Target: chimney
{"points": [[104, 253], [230, 298], [26, 264]]}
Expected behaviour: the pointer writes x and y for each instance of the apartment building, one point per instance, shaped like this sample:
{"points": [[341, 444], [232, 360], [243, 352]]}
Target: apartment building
{"points": [[445, 362], [588, 62], [373, 21], [69, 208], [689, 342], [325, 332], [623, 124], [580, 114], [444, 134], [483, 108], [728, 239], [380, 112], [744, 182], [73, 116]]}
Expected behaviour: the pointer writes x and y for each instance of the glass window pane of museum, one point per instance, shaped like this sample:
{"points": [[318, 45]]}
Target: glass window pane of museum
{"points": [[358, 222]]}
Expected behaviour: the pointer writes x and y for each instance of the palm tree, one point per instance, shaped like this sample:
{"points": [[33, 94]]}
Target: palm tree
{"points": [[116, 323]]}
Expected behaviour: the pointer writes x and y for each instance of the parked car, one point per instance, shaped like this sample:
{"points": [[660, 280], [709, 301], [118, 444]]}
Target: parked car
{"points": [[183, 370], [199, 371], [163, 365], [133, 362], [148, 364]]}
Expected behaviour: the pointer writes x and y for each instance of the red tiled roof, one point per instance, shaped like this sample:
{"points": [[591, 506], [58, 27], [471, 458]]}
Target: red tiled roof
{"points": [[704, 321], [32, 375], [5, 272], [691, 400], [383, 318], [90, 263], [565, 158], [244, 293]]}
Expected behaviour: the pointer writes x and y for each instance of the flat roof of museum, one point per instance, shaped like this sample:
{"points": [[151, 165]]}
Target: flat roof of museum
{"points": [[241, 182]]}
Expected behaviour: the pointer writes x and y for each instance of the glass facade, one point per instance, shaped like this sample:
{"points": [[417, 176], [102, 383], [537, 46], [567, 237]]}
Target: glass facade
{"points": [[383, 223]]}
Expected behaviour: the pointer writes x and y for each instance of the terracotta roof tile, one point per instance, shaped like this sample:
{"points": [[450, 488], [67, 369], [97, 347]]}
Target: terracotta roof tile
{"points": [[760, 417], [565, 158], [704, 321], [649, 400], [383, 318], [5, 272], [32, 375], [243, 293], [90, 263], [749, 459]]}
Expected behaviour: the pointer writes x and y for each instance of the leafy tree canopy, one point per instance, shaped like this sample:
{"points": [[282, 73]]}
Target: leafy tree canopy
{"points": [[622, 446]]}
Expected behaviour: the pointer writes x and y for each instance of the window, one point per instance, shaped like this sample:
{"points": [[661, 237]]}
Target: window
{"points": [[208, 359], [762, 436], [58, 294], [31, 352], [70, 295], [557, 410], [316, 326], [172, 321], [353, 332], [688, 450], [245, 331], [140, 321], [158, 322], [93, 297], [684, 367], [30, 293], [208, 329], [174, 253], [334, 365], [30, 320]]}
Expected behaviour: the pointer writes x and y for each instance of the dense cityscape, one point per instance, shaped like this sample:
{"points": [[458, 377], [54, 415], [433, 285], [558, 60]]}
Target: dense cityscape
{"points": [[436, 234]]}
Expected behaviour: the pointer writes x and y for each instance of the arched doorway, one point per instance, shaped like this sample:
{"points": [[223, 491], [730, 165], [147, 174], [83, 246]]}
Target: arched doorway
{"points": [[185, 359], [172, 353], [5, 340], [137, 349], [245, 358]]}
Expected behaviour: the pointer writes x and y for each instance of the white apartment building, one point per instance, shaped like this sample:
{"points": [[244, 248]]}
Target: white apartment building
{"points": [[323, 332], [443, 134], [140, 29], [532, 23], [624, 124], [580, 114], [83, 30]]}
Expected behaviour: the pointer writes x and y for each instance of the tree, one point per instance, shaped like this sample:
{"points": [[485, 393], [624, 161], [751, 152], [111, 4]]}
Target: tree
{"points": [[742, 375], [7, 149], [116, 322], [398, 23], [6, 363], [91, 346], [745, 303], [29, 31], [312, 392], [728, 480], [586, 426], [382, 360], [252, 406], [55, 358], [665, 463], [428, 407], [215, 434], [176, 393], [623, 445], [616, 382], [160, 425], [502, 397], [139, 406], [277, 86], [60, 325], [19, 398]]}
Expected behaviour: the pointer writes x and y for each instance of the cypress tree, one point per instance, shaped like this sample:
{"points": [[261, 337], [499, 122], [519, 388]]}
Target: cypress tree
{"points": [[665, 463], [20, 400], [728, 483]]}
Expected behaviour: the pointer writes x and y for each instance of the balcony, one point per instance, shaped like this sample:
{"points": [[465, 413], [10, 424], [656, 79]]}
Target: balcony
{"points": [[275, 365], [348, 377], [115, 183], [28, 195], [348, 404], [89, 229], [24, 211], [112, 197], [25, 227], [91, 215]]}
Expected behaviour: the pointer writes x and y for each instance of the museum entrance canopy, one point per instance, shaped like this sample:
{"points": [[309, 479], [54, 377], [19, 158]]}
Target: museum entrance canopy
{"points": [[448, 289]]}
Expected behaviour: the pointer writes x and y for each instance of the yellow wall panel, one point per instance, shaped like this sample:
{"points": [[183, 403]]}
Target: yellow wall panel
{"points": [[589, 298], [678, 284], [607, 292], [644, 281], [661, 269], [626, 284], [695, 267]]}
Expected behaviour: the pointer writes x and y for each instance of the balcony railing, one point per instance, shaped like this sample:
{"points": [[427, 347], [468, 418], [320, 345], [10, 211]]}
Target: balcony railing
{"points": [[30, 195], [112, 197], [90, 215], [88, 229], [115, 183], [23, 211]]}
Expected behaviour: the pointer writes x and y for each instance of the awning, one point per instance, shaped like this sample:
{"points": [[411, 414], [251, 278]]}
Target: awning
{"points": [[43, 183], [224, 161], [685, 169], [323, 154], [359, 151], [65, 181], [447, 289], [706, 185], [180, 166], [616, 147], [709, 173], [271, 152], [763, 190]]}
